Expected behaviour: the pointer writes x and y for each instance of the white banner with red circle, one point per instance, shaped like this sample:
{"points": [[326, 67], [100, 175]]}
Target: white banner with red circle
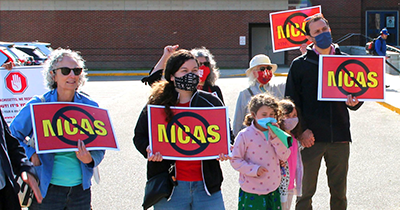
{"points": [[17, 87]]}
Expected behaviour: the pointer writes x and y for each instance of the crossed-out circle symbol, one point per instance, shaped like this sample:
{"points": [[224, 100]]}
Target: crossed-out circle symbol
{"points": [[346, 71], [288, 20], [175, 120], [60, 113]]}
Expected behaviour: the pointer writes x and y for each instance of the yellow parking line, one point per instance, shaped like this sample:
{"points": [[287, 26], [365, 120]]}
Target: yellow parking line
{"points": [[393, 108]]}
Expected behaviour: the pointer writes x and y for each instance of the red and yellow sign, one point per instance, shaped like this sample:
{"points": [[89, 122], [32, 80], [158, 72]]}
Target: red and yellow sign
{"points": [[193, 134], [360, 76], [288, 28], [58, 127]]}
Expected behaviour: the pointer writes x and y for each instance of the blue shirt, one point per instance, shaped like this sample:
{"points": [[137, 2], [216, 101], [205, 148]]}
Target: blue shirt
{"points": [[380, 46], [21, 127]]}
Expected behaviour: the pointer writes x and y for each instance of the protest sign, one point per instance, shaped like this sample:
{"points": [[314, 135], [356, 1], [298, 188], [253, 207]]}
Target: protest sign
{"points": [[287, 28], [199, 133], [18, 86], [360, 76], [58, 126]]}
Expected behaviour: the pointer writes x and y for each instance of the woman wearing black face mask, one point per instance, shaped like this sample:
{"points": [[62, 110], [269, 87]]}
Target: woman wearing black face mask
{"points": [[199, 182]]}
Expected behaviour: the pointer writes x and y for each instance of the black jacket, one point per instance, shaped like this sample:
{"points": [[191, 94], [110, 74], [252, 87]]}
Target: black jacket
{"points": [[12, 156], [328, 120], [212, 172]]}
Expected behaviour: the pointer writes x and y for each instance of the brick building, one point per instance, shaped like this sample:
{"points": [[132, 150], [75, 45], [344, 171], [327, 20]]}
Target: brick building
{"points": [[127, 34]]}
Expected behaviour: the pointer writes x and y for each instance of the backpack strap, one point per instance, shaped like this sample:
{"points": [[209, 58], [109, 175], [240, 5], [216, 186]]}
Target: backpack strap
{"points": [[250, 91]]}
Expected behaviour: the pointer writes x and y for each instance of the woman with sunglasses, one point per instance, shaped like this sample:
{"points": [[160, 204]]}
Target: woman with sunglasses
{"points": [[65, 177], [199, 181], [261, 80]]}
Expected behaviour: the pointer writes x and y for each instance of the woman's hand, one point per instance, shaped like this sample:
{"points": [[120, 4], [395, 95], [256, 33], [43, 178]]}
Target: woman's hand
{"points": [[35, 160], [155, 157], [83, 154], [223, 157], [9, 65], [351, 100], [31, 181], [262, 170]]}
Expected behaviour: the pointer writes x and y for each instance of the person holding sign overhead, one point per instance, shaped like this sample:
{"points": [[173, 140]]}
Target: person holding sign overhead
{"points": [[262, 80], [199, 182], [65, 177], [325, 124]]}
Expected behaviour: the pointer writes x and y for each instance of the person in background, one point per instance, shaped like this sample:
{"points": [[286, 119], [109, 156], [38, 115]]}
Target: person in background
{"points": [[199, 181], [256, 154], [208, 71], [64, 73], [325, 124], [261, 78], [380, 43], [290, 124]]}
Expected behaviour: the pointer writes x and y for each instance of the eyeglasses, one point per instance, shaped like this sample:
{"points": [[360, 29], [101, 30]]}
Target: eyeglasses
{"points": [[66, 71], [262, 68], [207, 63], [313, 16]]}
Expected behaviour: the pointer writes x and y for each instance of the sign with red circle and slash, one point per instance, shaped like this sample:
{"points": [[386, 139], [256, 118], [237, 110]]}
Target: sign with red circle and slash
{"points": [[58, 126], [200, 133], [287, 28], [359, 76]]}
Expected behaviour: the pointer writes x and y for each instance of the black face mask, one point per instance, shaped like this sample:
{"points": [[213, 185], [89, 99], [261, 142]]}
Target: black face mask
{"points": [[188, 82]]}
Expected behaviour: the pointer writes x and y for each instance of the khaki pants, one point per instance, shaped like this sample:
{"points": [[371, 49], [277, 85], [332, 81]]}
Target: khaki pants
{"points": [[336, 156]]}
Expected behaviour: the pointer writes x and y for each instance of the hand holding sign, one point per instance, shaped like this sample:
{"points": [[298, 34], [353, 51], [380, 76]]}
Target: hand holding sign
{"points": [[83, 154], [351, 100], [153, 157]]}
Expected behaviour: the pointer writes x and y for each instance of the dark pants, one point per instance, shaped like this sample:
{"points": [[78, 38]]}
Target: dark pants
{"points": [[64, 198], [8, 198], [336, 157]]}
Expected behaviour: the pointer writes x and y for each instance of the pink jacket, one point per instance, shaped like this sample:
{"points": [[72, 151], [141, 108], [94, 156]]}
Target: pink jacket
{"points": [[252, 150]]}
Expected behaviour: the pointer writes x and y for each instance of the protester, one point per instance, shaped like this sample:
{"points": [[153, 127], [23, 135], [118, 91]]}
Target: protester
{"points": [[65, 177], [380, 43], [325, 124], [256, 155], [289, 124], [261, 78], [208, 71], [199, 182]]}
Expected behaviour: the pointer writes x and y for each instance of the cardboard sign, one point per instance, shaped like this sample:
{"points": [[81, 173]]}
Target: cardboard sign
{"points": [[360, 76], [193, 134], [18, 87], [58, 126], [287, 28]]}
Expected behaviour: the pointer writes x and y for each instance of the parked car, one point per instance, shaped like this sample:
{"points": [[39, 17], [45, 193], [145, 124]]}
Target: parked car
{"points": [[10, 56], [43, 46], [24, 58], [38, 56]]}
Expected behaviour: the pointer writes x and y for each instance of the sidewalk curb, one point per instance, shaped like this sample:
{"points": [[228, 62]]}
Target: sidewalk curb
{"points": [[388, 106]]}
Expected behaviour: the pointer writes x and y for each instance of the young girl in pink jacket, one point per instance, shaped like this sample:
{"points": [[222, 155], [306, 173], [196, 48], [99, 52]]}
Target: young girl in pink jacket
{"points": [[256, 156]]}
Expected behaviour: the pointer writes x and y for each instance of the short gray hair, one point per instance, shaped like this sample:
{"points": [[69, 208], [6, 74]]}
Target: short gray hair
{"points": [[214, 71], [54, 58]]}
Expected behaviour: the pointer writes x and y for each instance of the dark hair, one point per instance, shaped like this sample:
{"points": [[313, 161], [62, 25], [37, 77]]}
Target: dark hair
{"points": [[287, 106], [314, 19], [163, 92], [259, 100]]}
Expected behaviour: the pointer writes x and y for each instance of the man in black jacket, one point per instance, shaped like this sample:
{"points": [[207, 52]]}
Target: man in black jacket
{"points": [[325, 124]]}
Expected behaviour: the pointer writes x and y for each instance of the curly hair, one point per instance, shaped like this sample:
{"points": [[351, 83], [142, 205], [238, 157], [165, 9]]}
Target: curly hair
{"points": [[57, 56], [163, 92], [214, 71], [259, 100]]}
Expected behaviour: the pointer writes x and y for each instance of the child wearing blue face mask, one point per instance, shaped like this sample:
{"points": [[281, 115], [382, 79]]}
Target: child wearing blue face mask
{"points": [[256, 154], [290, 124]]}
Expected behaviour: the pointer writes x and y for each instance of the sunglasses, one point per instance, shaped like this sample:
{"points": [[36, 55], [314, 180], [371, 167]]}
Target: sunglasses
{"points": [[66, 71], [262, 68], [312, 17], [204, 63]]}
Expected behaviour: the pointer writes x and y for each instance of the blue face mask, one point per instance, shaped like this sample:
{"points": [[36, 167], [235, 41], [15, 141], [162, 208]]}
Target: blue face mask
{"points": [[264, 121], [324, 40]]}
